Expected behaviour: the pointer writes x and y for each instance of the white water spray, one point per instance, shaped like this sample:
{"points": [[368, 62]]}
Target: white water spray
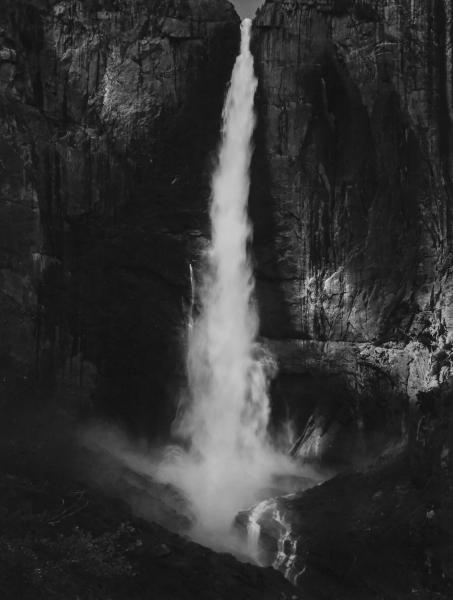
{"points": [[225, 419]]}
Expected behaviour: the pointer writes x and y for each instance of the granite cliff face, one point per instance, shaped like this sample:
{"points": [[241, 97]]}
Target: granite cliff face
{"points": [[354, 235], [110, 111]]}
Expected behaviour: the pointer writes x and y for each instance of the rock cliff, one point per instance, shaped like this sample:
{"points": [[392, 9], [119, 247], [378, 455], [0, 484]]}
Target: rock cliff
{"points": [[110, 113], [353, 212]]}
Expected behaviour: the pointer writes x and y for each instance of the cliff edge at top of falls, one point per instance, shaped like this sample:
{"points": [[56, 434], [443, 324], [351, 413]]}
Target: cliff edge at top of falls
{"points": [[351, 200], [110, 113]]}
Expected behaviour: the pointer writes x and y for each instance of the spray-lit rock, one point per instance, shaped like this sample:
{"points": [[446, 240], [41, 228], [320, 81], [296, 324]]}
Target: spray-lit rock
{"points": [[353, 185], [361, 537]]}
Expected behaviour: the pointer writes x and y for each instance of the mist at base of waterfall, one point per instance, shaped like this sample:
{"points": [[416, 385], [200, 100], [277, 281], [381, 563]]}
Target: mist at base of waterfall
{"points": [[220, 487], [136, 472]]}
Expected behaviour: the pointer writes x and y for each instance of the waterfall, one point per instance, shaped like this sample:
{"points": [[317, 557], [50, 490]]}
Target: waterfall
{"points": [[192, 298], [286, 559], [287, 550], [254, 527], [224, 418]]}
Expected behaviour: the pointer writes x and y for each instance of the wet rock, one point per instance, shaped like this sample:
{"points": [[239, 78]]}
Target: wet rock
{"points": [[362, 537]]}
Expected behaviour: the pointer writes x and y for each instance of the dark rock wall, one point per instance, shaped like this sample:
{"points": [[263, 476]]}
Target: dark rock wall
{"points": [[23, 132], [354, 249], [110, 114]]}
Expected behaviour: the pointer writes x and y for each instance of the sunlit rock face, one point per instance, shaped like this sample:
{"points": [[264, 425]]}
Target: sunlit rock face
{"points": [[352, 199], [110, 113]]}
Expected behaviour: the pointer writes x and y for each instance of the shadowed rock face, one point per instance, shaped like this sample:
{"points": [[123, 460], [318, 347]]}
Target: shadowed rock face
{"points": [[356, 111], [110, 111]]}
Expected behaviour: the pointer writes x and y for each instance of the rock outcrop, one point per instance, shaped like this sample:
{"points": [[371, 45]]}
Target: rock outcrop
{"points": [[352, 199], [362, 537], [110, 113]]}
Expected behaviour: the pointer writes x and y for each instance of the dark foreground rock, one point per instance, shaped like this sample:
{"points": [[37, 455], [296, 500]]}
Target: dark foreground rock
{"points": [[61, 540]]}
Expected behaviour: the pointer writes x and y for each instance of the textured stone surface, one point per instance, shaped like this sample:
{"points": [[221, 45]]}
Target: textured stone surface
{"points": [[351, 401], [353, 185], [355, 104], [111, 110]]}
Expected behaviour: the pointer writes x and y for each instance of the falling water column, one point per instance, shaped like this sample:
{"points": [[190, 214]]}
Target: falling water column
{"points": [[226, 418]]}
